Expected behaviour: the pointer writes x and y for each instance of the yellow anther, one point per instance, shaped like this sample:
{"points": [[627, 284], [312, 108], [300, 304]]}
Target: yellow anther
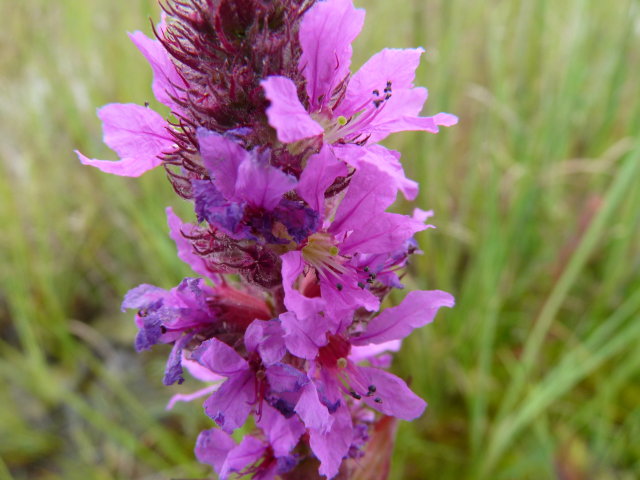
{"points": [[342, 363], [342, 120]]}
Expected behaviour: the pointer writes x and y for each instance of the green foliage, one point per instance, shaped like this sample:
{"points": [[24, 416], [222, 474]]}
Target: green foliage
{"points": [[533, 375]]}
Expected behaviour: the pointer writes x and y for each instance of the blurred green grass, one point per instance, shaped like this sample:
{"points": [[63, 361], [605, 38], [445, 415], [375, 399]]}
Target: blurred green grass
{"points": [[536, 372]]}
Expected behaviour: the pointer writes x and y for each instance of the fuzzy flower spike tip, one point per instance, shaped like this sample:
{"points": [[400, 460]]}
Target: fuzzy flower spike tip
{"points": [[276, 144]]}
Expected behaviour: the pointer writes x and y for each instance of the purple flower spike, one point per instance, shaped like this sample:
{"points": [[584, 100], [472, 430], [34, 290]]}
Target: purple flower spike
{"points": [[275, 143]]}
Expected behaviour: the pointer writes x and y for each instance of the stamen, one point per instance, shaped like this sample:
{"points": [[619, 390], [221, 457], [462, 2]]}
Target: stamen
{"points": [[377, 400], [321, 253], [342, 363], [355, 395], [342, 120]]}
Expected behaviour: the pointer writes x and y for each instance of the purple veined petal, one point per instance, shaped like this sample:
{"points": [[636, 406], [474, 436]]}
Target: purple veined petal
{"points": [[386, 232], [304, 336], [385, 73], [370, 193], [326, 33], [219, 357], [143, 296], [185, 249], [292, 266], [173, 370], [286, 114], [230, 405], [321, 171], [167, 83], [189, 397], [282, 433], [210, 205], [222, 157], [242, 456], [393, 396], [283, 378], [267, 338], [261, 184], [365, 352], [416, 310], [387, 161], [213, 446], [150, 332], [312, 411], [332, 446], [137, 134]]}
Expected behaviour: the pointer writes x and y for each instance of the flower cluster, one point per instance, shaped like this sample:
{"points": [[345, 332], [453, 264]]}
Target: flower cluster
{"points": [[276, 144]]}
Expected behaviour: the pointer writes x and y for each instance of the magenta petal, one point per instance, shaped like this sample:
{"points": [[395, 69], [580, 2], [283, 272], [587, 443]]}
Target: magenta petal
{"points": [[213, 446], [313, 413], [386, 232], [416, 310], [332, 446], [387, 161], [244, 455], [230, 405], [445, 119], [199, 372], [400, 114], [189, 397], [166, 80], [370, 192], [185, 249], [137, 134], [326, 33], [397, 66], [348, 299], [286, 114], [126, 167], [267, 338], [367, 352], [222, 157], [395, 398], [321, 171], [292, 266], [219, 357], [261, 184], [283, 433], [304, 336]]}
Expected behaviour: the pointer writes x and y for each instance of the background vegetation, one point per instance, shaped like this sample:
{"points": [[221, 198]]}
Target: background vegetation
{"points": [[535, 373]]}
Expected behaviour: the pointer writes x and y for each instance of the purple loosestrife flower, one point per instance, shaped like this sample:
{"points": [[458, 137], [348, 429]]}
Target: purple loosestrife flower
{"points": [[360, 110], [276, 145]]}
